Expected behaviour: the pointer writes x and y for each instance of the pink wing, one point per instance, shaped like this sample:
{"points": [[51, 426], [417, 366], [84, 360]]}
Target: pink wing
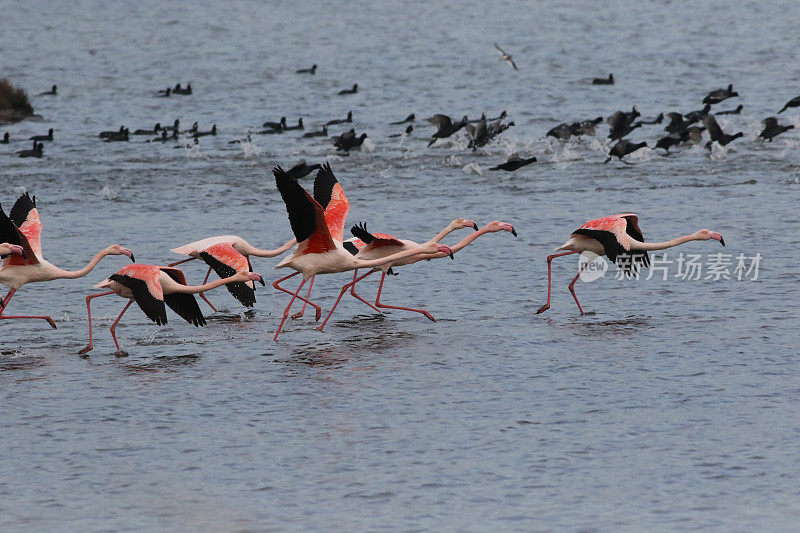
{"points": [[336, 212]]}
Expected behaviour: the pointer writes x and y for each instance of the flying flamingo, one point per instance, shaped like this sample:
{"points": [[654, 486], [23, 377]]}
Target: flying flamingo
{"points": [[372, 246], [151, 287], [318, 251], [22, 228], [617, 236], [225, 255]]}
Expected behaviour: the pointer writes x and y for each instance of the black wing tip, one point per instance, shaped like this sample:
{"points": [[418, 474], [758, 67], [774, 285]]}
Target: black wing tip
{"points": [[360, 231]]}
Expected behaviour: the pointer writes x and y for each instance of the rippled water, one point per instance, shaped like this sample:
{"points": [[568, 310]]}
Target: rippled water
{"points": [[672, 405]]}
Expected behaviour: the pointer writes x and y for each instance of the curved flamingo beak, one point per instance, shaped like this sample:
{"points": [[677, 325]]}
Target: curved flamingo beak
{"points": [[17, 249], [129, 254], [718, 236], [475, 226], [256, 277], [447, 250], [513, 231]]}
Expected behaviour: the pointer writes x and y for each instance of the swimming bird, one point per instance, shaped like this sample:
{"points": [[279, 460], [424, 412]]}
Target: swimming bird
{"points": [[505, 56], [479, 135], [152, 286], [52, 92], [302, 169], [247, 139], [620, 118], [408, 131], [280, 125], [154, 131], [623, 148], [112, 133], [298, 127], [585, 127], [341, 120], [23, 228], [6, 137], [212, 131], [348, 141], [604, 81], [514, 163], [718, 95], [322, 133], [118, 136], [312, 70], [677, 122], [794, 102], [193, 129], [445, 126], [619, 238], [735, 111], [225, 255], [409, 118], [698, 115], [165, 93], [622, 130], [319, 250], [176, 126], [354, 90], [772, 129], [716, 133], [164, 138], [48, 137], [37, 151], [186, 91], [692, 134], [380, 245], [561, 132]]}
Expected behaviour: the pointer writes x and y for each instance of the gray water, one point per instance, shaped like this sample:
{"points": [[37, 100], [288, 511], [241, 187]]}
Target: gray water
{"points": [[673, 405]]}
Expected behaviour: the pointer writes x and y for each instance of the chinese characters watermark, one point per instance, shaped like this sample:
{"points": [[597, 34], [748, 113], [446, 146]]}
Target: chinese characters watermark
{"points": [[689, 267]]}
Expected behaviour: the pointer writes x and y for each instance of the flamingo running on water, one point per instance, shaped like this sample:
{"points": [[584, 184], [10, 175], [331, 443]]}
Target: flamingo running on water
{"points": [[319, 251], [23, 228], [617, 236], [372, 246], [225, 255], [152, 286]]}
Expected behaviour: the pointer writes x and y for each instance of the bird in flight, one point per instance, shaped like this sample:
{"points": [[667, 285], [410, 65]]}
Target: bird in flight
{"points": [[505, 56]]}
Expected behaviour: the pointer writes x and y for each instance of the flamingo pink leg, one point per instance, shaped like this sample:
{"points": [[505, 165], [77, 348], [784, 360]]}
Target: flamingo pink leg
{"points": [[353, 290], [572, 285], [305, 302], [203, 295], [5, 303], [286, 311], [317, 308], [550, 258], [341, 293], [379, 304], [89, 310], [114, 328], [181, 261]]}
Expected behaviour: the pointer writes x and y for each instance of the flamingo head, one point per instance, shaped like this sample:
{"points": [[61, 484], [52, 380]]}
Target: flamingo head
{"points": [[461, 223], [9, 249], [705, 235], [501, 226], [436, 248], [116, 249], [252, 276]]}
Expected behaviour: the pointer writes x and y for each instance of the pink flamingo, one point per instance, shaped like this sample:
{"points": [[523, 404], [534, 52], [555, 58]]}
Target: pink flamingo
{"points": [[151, 287], [23, 228], [225, 255], [616, 236], [318, 252], [380, 245]]}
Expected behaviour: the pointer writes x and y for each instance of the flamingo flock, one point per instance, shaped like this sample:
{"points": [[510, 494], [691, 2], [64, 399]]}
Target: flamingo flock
{"points": [[318, 222]]}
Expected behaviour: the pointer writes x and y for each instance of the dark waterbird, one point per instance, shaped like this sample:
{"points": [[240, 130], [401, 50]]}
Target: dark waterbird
{"points": [[772, 129], [409, 118], [322, 133], [692, 134], [794, 102], [186, 91], [48, 137], [677, 123], [52, 92], [698, 115], [298, 127], [341, 120], [623, 148], [111, 133], [658, 120], [280, 125], [585, 127], [212, 131], [301, 170], [164, 138], [5, 139], [623, 130], [312, 70], [247, 139], [118, 136], [36, 151], [604, 81], [620, 118], [193, 129], [176, 126], [445, 126], [716, 133], [408, 131], [348, 141], [154, 131], [717, 96], [165, 93], [514, 162], [731, 111], [562, 132], [354, 90]]}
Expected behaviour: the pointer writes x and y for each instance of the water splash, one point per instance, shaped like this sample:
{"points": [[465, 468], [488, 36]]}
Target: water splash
{"points": [[250, 150], [473, 168]]}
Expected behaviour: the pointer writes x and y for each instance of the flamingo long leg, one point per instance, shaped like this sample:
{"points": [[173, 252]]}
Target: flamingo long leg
{"points": [[305, 302], [317, 308], [572, 285], [114, 327], [379, 304], [353, 290], [550, 258], [203, 295], [5, 303], [341, 293], [181, 261], [89, 311], [286, 311]]}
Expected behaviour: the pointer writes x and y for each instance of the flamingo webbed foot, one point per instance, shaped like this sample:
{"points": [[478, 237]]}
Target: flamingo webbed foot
{"points": [[297, 315], [51, 322], [86, 350], [121, 353], [543, 308]]}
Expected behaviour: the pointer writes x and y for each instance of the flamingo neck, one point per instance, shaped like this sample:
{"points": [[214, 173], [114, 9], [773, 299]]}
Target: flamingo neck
{"points": [[273, 253], [73, 274], [369, 263], [194, 289], [648, 246], [444, 233], [467, 240]]}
